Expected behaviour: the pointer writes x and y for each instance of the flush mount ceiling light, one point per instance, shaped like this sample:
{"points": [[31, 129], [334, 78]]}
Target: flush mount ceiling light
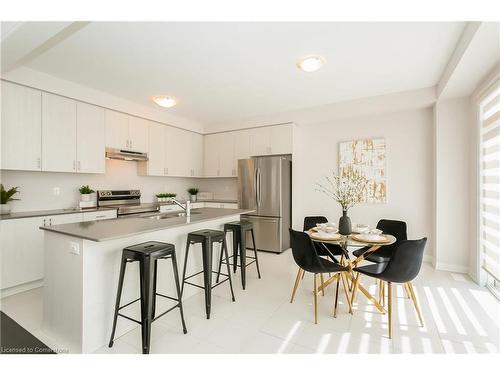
{"points": [[310, 63], [165, 101]]}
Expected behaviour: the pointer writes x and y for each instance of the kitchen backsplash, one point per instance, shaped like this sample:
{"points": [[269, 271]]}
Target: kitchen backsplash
{"points": [[38, 189]]}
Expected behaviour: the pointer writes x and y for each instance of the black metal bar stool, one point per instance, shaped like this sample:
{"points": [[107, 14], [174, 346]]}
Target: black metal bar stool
{"points": [[147, 254], [207, 238], [239, 230]]}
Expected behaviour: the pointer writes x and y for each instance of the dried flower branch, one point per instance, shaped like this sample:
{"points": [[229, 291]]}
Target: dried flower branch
{"points": [[347, 190]]}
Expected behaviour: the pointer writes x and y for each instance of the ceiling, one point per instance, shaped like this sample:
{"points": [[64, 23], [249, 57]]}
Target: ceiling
{"points": [[481, 57], [228, 72]]}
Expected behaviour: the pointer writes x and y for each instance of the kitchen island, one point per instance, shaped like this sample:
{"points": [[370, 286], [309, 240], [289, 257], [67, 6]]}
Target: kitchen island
{"points": [[82, 262]]}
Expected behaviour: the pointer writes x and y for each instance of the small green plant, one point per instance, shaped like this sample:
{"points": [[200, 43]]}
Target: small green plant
{"points": [[166, 195], [85, 189], [193, 191], [6, 195]]}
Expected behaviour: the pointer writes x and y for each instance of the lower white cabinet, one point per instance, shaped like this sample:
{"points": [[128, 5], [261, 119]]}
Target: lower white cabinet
{"points": [[99, 215], [21, 251], [221, 205], [21, 246]]}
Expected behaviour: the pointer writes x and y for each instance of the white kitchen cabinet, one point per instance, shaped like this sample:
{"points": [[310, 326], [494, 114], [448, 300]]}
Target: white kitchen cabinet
{"points": [[21, 127], [138, 134], [260, 141], [241, 147], [64, 219], [156, 165], [116, 124], [21, 251], [99, 215], [221, 205], [211, 153], [219, 155], [173, 152], [126, 132], [196, 154], [271, 140], [281, 139], [226, 154], [58, 134], [22, 246], [90, 148]]}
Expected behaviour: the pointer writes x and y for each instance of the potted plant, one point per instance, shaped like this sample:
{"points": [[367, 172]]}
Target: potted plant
{"points": [[165, 197], [193, 192], [6, 197], [86, 193], [170, 196], [347, 190]]}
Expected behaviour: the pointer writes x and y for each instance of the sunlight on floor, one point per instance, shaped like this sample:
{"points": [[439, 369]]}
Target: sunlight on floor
{"points": [[459, 317]]}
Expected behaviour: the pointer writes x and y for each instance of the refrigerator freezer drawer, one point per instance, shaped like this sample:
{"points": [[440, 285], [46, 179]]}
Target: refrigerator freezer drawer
{"points": [[267, 233]]}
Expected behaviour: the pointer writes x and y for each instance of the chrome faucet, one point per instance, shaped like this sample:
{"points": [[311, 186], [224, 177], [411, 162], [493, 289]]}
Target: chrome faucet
{"points": [[186, 207]]}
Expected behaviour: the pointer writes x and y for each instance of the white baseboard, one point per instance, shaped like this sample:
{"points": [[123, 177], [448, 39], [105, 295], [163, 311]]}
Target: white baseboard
{"points": [[20, 288], [452, 267]]}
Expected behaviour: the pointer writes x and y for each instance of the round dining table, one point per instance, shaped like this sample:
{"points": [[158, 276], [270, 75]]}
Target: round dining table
{"points": [[347, 242]]}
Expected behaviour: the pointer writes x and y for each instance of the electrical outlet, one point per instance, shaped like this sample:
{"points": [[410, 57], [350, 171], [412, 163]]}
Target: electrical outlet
{"points": [[74, 248], [56, 191]]}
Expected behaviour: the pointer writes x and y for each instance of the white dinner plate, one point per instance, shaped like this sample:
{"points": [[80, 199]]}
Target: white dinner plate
{"points": [[374, 238], [323, 236]]}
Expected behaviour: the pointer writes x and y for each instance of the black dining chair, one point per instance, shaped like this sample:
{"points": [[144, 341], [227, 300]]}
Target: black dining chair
{"points": [[322, 249], [395, 228], [306, 257], [402, 267]]}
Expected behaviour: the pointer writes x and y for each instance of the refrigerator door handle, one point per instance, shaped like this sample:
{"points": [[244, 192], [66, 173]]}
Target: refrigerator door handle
{"points": [[256, 187]]}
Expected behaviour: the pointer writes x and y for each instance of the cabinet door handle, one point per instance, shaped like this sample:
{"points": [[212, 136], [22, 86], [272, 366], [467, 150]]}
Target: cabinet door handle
{"points": [[38, 163], [74, 165], [79, 166], [100, 216], [50, 221], [44, 222]]}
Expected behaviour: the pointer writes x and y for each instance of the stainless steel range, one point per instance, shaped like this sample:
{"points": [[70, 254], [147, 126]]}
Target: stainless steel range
{"points": [[127, 202]]}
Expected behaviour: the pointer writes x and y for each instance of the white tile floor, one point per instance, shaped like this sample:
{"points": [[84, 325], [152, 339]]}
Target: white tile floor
{"points": [[460, 317]]}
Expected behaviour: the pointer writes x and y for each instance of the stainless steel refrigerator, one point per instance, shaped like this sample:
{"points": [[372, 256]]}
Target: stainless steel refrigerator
{"points": [[265, 186]]}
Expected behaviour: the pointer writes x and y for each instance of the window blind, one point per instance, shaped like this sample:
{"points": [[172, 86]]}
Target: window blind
{"points": [[490, 182]]}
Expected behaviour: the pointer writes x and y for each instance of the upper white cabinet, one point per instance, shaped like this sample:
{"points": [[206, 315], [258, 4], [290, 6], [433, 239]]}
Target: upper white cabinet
{"points": [[59, 134], [211, 156], [72, 136], [172, 152], [126, 132], [226, 154], [196, 154], [281, 139], [138, 134], [21, 128], [116, 129], [90, 137], [271, 140], [223, 150]]}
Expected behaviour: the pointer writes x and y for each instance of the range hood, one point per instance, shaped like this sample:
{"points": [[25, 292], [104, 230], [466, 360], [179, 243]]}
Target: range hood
{"points": [[115, 153]]}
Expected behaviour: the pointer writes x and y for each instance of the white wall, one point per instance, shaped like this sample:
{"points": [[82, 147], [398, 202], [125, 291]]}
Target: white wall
{"points": [[409, 140], [453, 119], [36, 188]]}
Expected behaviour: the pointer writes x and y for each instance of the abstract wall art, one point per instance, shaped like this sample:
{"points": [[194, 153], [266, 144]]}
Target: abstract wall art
{"points": [[365, 158]]}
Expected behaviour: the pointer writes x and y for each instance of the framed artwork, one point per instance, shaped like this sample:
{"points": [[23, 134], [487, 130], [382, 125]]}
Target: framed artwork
{"points": [[365, 158]]}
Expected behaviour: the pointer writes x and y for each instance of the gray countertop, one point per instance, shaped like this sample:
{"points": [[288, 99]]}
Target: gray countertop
{"points": [[66, 211], [62, 211], [111, 229]]}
